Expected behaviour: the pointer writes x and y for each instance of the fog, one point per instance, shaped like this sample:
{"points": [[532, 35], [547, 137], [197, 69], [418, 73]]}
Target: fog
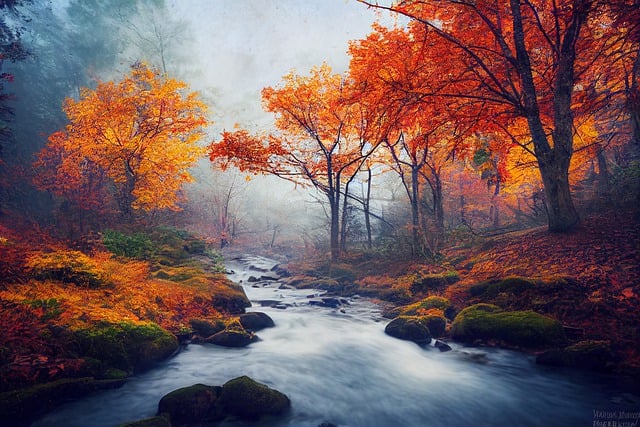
{"points": [[229, 51]]}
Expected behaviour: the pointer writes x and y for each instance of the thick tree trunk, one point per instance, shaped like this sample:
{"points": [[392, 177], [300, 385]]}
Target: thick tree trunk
{"points": [[553, 161], [562, 214]]}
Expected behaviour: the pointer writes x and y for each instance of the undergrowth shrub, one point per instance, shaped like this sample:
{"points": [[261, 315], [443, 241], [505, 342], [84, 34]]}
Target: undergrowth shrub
{"points": [[68, 267], [137, 245]]}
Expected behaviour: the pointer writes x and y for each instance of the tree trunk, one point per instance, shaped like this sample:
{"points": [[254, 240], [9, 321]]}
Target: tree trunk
{"points": [[562, 214], [438, 208], [345, 219], [603, 174], [415, 213], [366, 207], [333, 195], [125, 192], [553, 161]]}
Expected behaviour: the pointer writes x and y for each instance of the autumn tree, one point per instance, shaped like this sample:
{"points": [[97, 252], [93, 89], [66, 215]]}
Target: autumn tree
{"points": [[524, 60], [140, 134], [318, 142], [396, 73]]}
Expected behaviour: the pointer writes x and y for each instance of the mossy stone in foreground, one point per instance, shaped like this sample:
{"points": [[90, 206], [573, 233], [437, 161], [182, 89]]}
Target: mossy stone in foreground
{"points": [[191, 404], [247, 399], [126, 346], [517, 328]]}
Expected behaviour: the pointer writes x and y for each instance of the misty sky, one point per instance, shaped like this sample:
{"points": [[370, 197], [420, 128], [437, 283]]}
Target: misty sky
{"points": [[245, 45]]}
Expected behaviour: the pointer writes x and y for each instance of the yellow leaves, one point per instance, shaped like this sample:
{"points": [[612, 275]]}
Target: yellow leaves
{"points": [[132, 296], [142, 131]]}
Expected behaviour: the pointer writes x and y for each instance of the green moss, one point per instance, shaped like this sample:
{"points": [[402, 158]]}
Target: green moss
{"points": [[125, 346], [514, 285], [436, 324], [248, 399], [517, 328], [428, 303], [191, 404], [137, 245], [426, 283]]}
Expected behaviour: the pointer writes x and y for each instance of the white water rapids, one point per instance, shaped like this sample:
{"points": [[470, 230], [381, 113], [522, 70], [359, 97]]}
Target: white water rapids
{"points": [[339, 366]]}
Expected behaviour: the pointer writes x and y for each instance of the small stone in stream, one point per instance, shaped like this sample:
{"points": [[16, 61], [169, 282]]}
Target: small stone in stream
{"points": [[442, 346], [268, 303], [268, 278], [256, 320], [252, 279], [281, 306], [232, 338]]}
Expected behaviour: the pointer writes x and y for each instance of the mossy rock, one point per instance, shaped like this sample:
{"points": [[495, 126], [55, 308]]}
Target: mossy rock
{"points": [[205, 328], [157, 421], [247, 399], [436, 324], [126, 346], [410, 328], [24, 405], [487, 322], [432, 282], [588, 355], [255, 321], [191, 404], [233, 336], [514, 285], [230, 299], [428, 303]]}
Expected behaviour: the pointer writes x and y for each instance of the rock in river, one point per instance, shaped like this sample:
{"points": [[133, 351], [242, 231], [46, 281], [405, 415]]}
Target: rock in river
{"points": [[247, 399], [256, 320], [409, 328]]}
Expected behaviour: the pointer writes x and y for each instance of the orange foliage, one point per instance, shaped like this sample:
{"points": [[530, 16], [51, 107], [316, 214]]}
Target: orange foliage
{"points": [[139, 134]]}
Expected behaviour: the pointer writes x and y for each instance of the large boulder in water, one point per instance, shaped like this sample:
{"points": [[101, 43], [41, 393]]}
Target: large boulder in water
{"points": [[247, 399], [255, 321], [191, 404], [410, 328], [487, 322]]}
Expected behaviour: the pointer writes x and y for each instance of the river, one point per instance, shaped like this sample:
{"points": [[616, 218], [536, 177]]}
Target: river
{"points": [[338, 365]]}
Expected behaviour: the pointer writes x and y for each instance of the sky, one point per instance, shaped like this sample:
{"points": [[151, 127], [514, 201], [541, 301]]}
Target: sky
{"points": [[243, 46]]}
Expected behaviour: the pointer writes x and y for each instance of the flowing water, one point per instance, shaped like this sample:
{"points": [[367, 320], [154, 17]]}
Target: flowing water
{"points": [[337, 365]]}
